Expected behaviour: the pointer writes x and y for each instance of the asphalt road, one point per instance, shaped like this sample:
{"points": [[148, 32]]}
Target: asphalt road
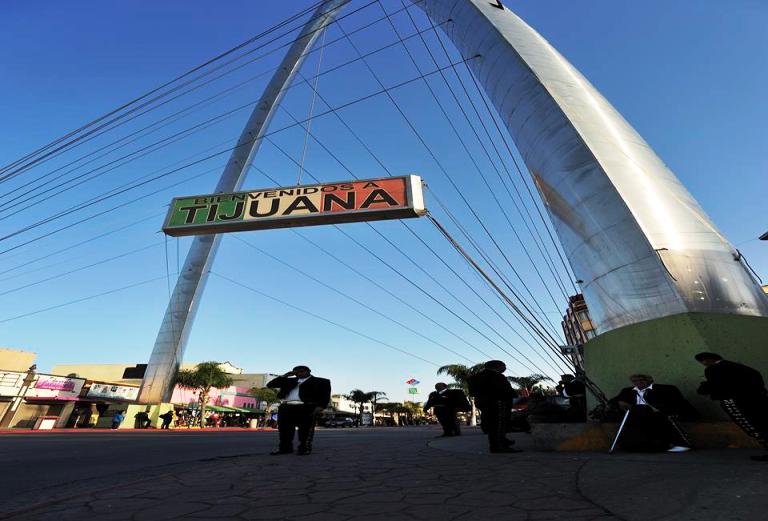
{"points": [[39, 467]]}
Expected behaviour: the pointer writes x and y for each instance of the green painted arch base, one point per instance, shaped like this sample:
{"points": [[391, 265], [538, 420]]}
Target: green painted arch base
{"points": [[664, 349]]}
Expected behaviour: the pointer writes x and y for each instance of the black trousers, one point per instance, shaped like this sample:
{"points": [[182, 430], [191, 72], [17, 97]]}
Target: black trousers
{"points": [[448, 420], [751, 414], [495, 420], [291, 416], [647, 430]]}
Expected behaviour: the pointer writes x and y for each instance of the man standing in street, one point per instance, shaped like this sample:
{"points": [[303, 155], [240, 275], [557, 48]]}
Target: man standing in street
{"points": [[446, 403], [742, 394], [493, 396], [302, 397]]}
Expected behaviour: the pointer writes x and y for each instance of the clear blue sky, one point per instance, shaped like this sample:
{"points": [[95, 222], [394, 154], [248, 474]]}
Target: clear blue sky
{"points": [[689, 76]]}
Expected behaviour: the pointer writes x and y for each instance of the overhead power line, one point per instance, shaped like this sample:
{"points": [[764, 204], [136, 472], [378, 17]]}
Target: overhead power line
{"points": [[82, 206], [324, 319]]}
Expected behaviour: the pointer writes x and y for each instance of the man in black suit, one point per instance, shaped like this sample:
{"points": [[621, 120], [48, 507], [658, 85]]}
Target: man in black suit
{"points": [[573, 388], [742, 394], [446, 403], [493, 396], [653, 408], [302, 397]]}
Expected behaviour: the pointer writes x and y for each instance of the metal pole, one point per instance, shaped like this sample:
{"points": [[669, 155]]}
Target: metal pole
{"points": [[157, 385], [618, 433]]}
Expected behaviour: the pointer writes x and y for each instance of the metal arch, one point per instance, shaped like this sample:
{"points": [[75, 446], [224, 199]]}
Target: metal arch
{"points": [[171, 341], [633, 234]]}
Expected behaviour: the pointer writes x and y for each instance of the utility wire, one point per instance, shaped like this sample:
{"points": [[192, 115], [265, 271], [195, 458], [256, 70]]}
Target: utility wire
{"points": [[100, 199], [73, 246], [315, 49], [491, 161], [93, 133], [83, 299], [311, 112], [32, 162], [351, 298], [319, 317], [341, 163], [474, 264], [432, 155], [92, 265], [509, 151]]}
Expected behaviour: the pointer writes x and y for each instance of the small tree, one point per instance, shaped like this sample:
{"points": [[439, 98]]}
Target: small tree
{"points": [[203, 378], [461, 374], [375, 397], [529, 383], [266, 395], [358, 397]]}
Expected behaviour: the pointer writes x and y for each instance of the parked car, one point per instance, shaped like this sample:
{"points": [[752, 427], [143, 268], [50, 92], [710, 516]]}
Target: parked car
{"points": [[340, 422]]}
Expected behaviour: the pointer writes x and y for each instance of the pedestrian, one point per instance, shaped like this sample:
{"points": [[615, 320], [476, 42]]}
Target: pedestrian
{"points": [[742, 395], [302, 397], [651, 425], [575, 391], [167, 419], [493, 396], [117, 419], [446, 403], [142, 420]]}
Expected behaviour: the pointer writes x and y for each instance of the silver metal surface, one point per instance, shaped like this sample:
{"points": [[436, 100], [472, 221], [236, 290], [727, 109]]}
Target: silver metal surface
{"points": [[638, 240], [157, 385]]}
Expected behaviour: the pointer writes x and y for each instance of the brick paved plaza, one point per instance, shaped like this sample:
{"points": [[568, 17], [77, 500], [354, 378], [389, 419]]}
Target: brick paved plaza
{"points": [[371, 474]]}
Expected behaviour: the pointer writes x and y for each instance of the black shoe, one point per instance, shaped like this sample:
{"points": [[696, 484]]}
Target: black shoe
{"points": [[280, 452], [505, 450], [759, 458]]}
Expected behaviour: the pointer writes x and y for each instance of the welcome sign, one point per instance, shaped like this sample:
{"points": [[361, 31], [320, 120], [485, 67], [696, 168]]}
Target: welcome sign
{"points": [[304, 205]]}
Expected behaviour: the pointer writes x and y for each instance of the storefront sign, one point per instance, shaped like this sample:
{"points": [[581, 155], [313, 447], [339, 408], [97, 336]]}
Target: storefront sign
{"points": [[11, 382], [55, 387], [113, 392], [330, 203]]}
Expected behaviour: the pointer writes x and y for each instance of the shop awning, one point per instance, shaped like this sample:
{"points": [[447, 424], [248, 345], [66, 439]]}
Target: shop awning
{"points": [[242, 409], [218, 408]]}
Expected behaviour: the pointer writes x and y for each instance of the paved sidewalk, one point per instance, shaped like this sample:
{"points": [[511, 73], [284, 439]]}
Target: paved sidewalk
{"points": [[407, 474]]}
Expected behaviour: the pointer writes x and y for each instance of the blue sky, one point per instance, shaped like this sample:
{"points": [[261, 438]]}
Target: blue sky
{"points": [[689, 76]]}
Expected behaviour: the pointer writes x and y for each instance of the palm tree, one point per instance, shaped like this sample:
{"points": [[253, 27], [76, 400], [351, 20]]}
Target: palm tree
{"points": [[460, 374], [375, 396], [203, 378], [358, 397], [529, 383], [266, 395]]}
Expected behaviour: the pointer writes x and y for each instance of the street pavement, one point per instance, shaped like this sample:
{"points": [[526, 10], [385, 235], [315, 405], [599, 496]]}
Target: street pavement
{"points": [[371, 474]]}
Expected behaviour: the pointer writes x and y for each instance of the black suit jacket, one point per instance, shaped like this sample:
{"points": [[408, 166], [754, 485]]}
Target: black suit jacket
{"points": [[314, 390], [666, 398], [451, 398], [728, 379], [489, 386]]}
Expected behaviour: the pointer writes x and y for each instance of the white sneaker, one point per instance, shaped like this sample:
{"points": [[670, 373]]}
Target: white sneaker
{"points": [[677, 448]]}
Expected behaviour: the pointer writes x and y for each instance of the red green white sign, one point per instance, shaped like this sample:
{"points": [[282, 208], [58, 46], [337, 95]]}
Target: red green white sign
{"points": [[304, 205]]}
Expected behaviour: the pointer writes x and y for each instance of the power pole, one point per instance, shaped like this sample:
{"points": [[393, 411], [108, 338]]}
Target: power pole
{"points": [[157, 385]]}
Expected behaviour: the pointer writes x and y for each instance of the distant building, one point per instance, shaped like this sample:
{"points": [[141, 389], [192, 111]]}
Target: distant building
{"points": [[577, 326], [131, 376], [343, 406], [15, 360]]}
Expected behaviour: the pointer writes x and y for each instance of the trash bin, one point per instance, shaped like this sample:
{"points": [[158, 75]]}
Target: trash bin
{"points": [[254, 423], [45, 423]]}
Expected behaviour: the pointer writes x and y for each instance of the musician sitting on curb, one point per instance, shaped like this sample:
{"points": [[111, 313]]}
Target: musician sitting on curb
{"points": [[653, 409]]}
